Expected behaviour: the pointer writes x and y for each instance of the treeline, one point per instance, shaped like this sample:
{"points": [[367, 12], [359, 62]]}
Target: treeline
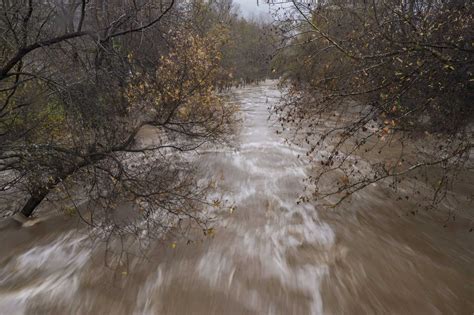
{"points": [[249, 56], [82, 81], [248, 52], [392, 80]]}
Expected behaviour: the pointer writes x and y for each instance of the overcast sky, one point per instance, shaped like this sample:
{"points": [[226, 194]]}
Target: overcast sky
{"points": [[250, 8]]}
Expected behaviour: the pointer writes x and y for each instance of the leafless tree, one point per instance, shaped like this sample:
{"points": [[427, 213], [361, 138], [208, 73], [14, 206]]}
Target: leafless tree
{"points": [[102, 104], [388, 80]]}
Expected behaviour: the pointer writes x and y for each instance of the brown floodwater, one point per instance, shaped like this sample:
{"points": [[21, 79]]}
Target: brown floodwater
{"points": [[268, 255]]}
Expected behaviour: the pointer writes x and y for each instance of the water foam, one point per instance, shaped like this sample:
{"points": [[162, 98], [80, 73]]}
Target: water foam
{"points": [[49, 272], [262, 175]]}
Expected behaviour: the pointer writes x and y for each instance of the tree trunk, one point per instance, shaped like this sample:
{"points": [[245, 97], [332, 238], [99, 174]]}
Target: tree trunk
{"points": [[33, 202], [37, 196]]}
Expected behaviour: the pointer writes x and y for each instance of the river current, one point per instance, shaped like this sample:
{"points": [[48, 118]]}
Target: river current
{"points": [[268, 254]]}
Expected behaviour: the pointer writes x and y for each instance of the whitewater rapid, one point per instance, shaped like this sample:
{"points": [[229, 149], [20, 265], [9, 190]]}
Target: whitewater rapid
{"points": [[268, 253]]}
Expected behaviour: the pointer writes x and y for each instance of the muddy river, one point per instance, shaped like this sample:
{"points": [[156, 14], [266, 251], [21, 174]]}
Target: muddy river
{"points": [[268, 254]]}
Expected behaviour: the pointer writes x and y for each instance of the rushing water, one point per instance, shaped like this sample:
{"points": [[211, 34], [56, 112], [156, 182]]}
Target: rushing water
{"points": [[269, 255]]}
